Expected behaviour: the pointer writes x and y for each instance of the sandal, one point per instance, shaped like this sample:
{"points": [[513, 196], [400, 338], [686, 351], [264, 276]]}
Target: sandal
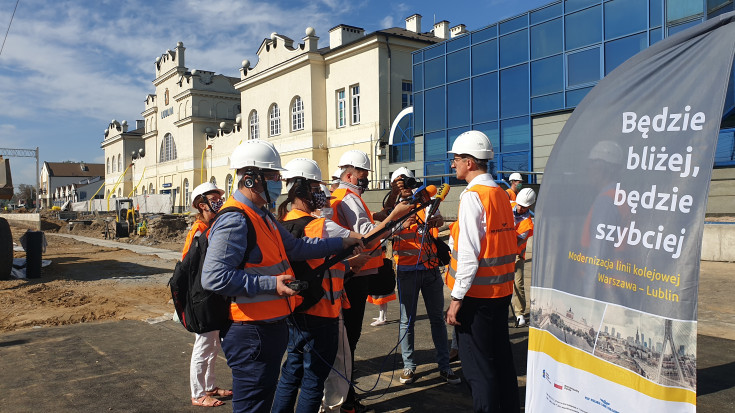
{"points": [[219, 392], [206, 401]]}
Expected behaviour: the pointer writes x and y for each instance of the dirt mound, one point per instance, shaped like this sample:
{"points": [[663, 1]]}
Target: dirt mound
{"points": [[168, 228]]}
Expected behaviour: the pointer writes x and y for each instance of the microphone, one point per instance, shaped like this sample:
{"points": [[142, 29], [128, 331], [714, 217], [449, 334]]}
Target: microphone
{"points": [[423, 194], [439, 198]]}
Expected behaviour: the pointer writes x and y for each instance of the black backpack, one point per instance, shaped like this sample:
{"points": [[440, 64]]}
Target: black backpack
{"points": [[200, 310]]}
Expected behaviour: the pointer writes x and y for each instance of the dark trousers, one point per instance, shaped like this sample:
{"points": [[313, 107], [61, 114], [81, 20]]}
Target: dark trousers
{"points": [[357, 292], [254, 353], [312, 347], [487, 357]]}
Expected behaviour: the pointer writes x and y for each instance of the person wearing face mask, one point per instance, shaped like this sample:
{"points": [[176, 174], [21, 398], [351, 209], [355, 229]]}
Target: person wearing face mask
{"points": [[351, 212], [524, 230], [207, 200], [258, 282], [314, 325], [516, 184]]}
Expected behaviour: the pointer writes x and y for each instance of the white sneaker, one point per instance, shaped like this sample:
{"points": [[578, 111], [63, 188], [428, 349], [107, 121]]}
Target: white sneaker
{"points": [[521, 321], [377, 322]]}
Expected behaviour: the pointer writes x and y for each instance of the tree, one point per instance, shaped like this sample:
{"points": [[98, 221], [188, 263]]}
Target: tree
{"points": [[26, 194]]}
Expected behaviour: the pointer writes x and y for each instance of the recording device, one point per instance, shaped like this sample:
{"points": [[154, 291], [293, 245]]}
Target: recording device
{"points": [[423, 194], [443, 191], [408, 182], [298, 285]]}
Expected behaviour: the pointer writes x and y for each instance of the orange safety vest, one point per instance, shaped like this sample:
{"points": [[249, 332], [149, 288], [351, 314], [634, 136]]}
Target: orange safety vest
{"points": [[324, 308], [407, 246], [338, 195], [523, 226], [511, 194], [496, 271], [263, 307], [198, 226], [381, 299]]}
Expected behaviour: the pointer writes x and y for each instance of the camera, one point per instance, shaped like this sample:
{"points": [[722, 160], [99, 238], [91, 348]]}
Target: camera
{"points": [[408, 182]]}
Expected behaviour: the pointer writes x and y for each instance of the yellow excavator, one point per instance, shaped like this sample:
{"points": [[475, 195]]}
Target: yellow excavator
{"points": [[126, 217]]}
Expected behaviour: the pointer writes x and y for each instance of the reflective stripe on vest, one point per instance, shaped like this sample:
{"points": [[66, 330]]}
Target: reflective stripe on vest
{"points": [[324, 308], [498, 248], [339, 194], [197, 226], [408, 242], [263, 307]]}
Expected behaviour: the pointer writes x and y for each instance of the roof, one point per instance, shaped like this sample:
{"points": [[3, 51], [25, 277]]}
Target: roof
{"points": [[393, 31], [74, 169]]}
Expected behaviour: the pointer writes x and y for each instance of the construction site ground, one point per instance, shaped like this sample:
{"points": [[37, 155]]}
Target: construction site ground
{"points": [[94, 333]]}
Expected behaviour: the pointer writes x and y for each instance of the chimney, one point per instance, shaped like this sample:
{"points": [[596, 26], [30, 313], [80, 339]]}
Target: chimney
{"points": [[139, 124], [82, 166], [343, 34], [458, 30], [441, 29], [413, 23]]}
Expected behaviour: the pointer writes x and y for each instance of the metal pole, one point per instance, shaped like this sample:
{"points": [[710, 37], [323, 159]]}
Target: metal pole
{"points": [[38, 183]]}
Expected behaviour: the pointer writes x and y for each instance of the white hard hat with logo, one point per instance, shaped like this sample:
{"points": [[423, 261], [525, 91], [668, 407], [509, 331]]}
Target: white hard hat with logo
{"points": [[336, 174], [515, 176], [473, 143], [401, 171], [256, 153], [356, 158], [303, 167], [203, 189], [526, 197]]}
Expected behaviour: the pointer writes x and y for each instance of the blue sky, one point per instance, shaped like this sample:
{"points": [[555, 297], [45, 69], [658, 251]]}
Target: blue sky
{"points": [[70, 66]]}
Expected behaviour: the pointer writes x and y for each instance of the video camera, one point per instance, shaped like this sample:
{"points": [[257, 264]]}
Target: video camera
{"points": [[409, 182]]}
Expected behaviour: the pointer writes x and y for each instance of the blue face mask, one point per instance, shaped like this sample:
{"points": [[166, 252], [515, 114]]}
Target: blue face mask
{"points": [[274, 189]]}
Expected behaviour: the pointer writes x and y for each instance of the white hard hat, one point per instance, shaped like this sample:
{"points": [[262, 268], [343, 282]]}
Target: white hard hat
{"points": [[356, 158], [306, 168], [473, 143], [256, 153], [401, 171], [203, 189], [515, 176], [526, 197]]}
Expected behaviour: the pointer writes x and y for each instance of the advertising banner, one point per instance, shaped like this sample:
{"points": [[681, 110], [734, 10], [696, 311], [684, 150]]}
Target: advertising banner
{"points": [[619, 229]]}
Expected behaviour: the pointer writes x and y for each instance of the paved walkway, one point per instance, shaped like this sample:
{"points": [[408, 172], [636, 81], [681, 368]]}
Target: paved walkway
{"points": [[140, 249]]}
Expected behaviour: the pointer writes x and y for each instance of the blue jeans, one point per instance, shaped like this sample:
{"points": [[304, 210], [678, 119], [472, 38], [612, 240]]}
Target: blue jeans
{"points": [[312, 348], [430, 283], [254, 352]]}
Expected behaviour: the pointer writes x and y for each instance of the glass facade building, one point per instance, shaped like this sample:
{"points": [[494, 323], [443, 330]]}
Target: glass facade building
{"points": [[544, 61]]}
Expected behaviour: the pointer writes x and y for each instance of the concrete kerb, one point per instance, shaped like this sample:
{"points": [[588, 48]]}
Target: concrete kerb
{"points": [[140, 249], [29, 221]]}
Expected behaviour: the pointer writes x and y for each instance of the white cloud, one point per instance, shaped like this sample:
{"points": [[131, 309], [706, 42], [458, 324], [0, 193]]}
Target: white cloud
{"points": [[386, 22]]}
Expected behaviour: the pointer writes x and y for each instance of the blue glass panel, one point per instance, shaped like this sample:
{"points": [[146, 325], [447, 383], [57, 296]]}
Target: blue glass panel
{"points": [[435, 111], [547, 103], [418, 113], [682, 9], [546, 39], [404, 132], [418, 57], [583, 28], [546, 13], [655, 36], [458, 65], [484, 34], [618, 51], [435, 146], [514, 24], [730, 94], [725, 151], [722, 10], [485, 98], [547, 75], [458, 111], [515, 134], [514, 48], [682, 27], [434, 51], [657, 11], [514, 91], [515, 162], [434, 72], [434, 168], [716, 4], [458, 43], [484, 57], [576, 96], [572, 5], [583, 67], [491, 130], [418, 77], [624, 17]]}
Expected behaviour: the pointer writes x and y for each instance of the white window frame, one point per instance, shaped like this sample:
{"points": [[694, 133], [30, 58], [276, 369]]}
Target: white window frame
{"points": [[297, 114], [341, 109], [274, 115], [355, 100], [168, 149], [119, 163], [254, 128], [108, 166]]}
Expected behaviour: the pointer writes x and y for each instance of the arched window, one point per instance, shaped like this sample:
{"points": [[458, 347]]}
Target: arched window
{"points": [[119, 192], [145, 192], [228, 186], [119, 163], [213, 181], [108, 166], [187, 201], [151, 191], [113, 163], [254, 129], [297, 114], [168, 149], [275, 120]]}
